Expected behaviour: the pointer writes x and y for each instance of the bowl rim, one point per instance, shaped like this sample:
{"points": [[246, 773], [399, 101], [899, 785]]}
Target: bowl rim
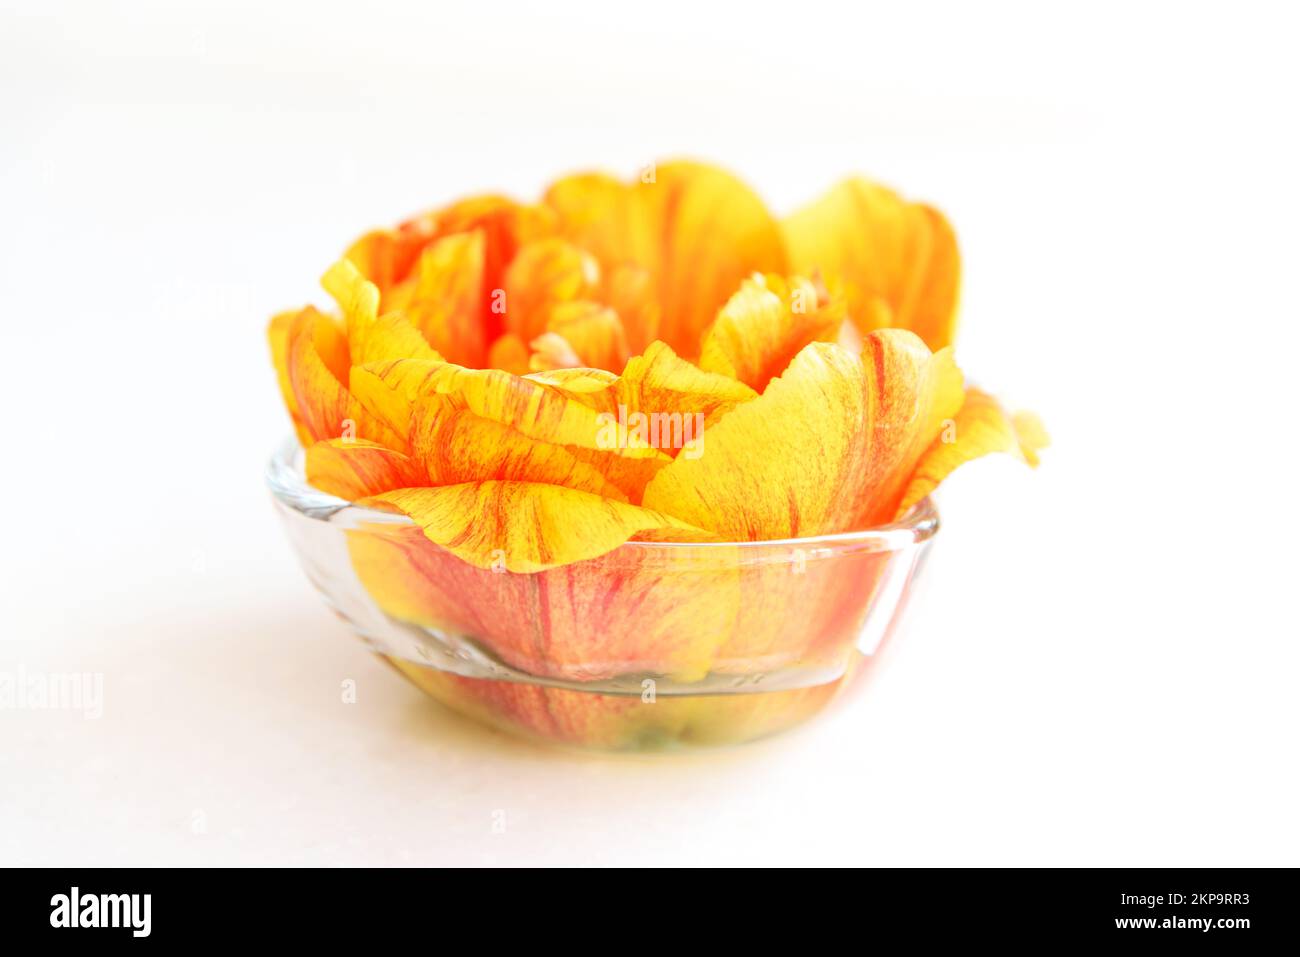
{"points": [[287, 480]]}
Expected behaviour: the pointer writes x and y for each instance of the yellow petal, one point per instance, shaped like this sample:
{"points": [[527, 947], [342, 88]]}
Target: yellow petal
{"points": [[444, 298], [881, 245], [523, 526], [781, 465], [371, 337], [317, 366], [695, 229], [575, 381], [390, 390], [1031, 435], [766, 324], [456, 446], [277, 334], [715, 231], [915, 394], [660, 381], [980, 427], [356, 469]]}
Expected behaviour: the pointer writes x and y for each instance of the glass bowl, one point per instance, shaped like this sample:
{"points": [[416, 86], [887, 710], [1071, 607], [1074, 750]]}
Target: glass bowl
{"points": [[651, 645]]}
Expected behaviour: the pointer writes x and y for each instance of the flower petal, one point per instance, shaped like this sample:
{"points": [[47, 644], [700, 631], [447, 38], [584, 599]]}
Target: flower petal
{"points": [[371, 337], [695, 229], [542, 275], [605, 216], [882, 246], [317, 366], [391, 389], [456, 446], [660, 381], [915, 394], [592, 333], [355, 469], [387, 257], [523, 526], [714, 232], [444, 298], [765, 325], [981, 427], [277, 334], [779, 465], [630, 291], [510, 354]]}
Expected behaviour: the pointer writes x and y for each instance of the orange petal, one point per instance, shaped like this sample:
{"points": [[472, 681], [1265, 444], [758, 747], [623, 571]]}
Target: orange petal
{"points": [[605, 216], [544, 274], [630, 291], [356, 469], [387, 257], [715, 231], [523, 526], [444, 298], [589, 334], [979, 428], [780, 465], [765, 325], [698, 231], [509, 353], [317, 365], [882, 246], [456, 446], [506, 226]]}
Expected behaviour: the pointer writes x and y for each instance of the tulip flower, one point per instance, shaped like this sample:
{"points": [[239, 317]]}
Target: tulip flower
{"points": [[655, 360]]}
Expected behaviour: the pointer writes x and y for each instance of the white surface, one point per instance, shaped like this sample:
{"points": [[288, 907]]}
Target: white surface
{"points": [[1103, 668]]}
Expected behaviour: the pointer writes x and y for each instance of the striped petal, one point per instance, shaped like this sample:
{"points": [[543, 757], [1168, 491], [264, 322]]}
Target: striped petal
{"points": [[779, 465], [371, 337], [455, 446], [444, 299], [317, 366], [355, 469], [882, 247], [765, 325], [524, 526]]}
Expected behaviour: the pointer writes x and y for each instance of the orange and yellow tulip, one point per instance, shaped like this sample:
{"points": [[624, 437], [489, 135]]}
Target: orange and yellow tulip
{"points": [[654, 360]]}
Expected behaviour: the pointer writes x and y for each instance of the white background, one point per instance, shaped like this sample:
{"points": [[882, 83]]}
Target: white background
{"points": [[1103, 666]]}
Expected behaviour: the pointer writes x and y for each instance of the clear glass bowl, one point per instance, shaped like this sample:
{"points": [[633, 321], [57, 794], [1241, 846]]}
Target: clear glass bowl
{"points": [[650, 645]]}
